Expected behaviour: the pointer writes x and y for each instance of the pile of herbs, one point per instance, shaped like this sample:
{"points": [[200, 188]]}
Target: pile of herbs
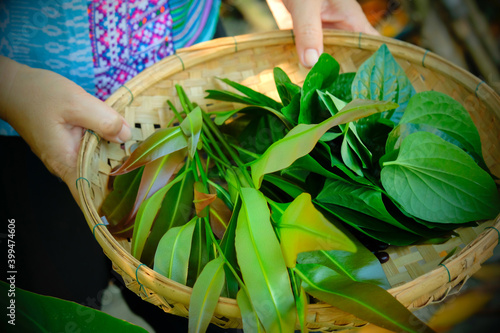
{"points": [[258, 203]]}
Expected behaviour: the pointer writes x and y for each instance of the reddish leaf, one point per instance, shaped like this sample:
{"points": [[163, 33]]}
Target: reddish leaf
{"points": [[202, 199], [220, 215], [159, 144], [156, 175]]}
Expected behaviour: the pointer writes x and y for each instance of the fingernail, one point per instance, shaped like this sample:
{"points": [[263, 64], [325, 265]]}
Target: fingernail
{"points": [[310, 57], [125, 133]]}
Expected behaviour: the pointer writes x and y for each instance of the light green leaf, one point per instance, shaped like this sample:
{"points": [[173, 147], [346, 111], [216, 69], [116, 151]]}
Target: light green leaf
{"points": [[146, 216], [172, 255], [251, 323], [302, 138], [262, 264], [205, 296], [191, 127], [364, 300], [303, 228], [434, 180]]}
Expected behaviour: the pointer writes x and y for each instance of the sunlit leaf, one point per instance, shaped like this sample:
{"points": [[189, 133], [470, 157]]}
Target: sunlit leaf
{"points": [[364, 300], [191, 127], [205, 295], [251, 323], [302, 138], [303, 228], [262, 265], [172, 254]]}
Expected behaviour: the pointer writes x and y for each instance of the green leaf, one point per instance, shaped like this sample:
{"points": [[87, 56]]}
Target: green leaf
{"points": [[321, 77], [262, 264], [252, 97], [191, 127], [341, 88], [434, 180], [371, 226], [172, 255], [119, 202], [205, 296], [251, 323], [175, 209], [437, 113], [303, 228], [221, 117], [302, 138], [381, 78], [286, 89], [199, 256], [292, 110], [146, 216], [37, 313], [364, 300], [160, 143], [228, 249], [363, 199]]}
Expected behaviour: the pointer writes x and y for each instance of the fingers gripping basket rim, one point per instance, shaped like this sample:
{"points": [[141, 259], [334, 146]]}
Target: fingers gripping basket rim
{"points": [[414, 290]]}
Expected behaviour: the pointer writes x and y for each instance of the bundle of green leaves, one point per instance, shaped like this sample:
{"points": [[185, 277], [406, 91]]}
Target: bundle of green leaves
{"points": [[258, 203]]}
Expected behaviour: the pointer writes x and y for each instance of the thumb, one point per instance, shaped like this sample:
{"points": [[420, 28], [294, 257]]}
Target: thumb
{"points": [[99, 117], [307, 28]]}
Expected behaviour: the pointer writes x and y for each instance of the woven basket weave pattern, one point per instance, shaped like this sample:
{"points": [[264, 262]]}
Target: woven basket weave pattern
{"points": [[413, 271]]}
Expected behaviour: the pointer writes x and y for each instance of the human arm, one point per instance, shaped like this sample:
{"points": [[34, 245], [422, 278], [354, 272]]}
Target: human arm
{"points": [[51, 112], [308, 18]]}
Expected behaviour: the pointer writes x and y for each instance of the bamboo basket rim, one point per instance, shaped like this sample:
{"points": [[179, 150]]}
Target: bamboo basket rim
{"points": [[447, 275]]}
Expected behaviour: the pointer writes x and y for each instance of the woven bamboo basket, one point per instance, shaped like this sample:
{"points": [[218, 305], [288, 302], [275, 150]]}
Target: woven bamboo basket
{"points": [[416, 273]]}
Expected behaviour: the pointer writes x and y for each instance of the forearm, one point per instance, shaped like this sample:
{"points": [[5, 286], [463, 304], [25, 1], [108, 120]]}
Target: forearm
{"points": [[8, 86]]}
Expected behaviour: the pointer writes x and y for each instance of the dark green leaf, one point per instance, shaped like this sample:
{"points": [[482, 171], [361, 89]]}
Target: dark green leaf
{"points": [[118, 204], [321, 77], [38, 313], [341, 88], [434, 180], [286, 89]]}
